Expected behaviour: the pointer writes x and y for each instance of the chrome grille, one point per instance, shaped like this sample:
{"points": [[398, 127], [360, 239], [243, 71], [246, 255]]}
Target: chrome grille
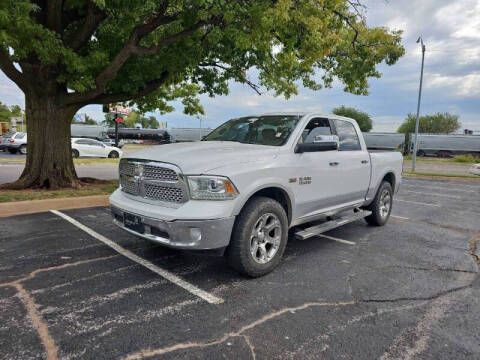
{"points": [[163, 193], [159, 173], [127, 168], [150, 180], [128, 184]]}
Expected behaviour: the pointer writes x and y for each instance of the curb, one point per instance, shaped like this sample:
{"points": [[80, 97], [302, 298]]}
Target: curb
{"points": [[439, 177], [36, 206]]}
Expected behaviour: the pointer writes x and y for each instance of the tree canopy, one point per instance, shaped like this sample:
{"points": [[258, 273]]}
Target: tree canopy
{"points": [[65, 54], [363, 119], [153, 50], [439, 123]]}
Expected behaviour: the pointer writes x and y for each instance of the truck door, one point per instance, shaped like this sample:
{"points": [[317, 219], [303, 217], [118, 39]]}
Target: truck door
{"points": [[315, 177], [353, 163]]}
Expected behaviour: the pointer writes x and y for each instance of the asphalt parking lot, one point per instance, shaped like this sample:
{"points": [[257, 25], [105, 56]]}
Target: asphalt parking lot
{"points": [[72, 285]]}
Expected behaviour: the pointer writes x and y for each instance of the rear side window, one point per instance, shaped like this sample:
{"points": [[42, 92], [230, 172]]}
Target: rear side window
{"points": [[347, 136], [20, 135]]}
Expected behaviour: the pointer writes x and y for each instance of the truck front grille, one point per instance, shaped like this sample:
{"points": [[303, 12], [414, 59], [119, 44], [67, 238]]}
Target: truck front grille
{"points": [[152, 180]]}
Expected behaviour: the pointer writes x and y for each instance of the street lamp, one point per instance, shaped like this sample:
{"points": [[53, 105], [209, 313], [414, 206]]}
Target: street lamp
{"points": [[419, 40]]}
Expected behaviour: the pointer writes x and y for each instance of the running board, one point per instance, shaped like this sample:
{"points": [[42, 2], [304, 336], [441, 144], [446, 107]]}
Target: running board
{"points": [[329, 225]]}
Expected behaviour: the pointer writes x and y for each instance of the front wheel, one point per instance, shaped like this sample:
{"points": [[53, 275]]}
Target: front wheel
{"points": [[75, 153], [113, 154], [381, 206], [23, 149], [259, 237]]}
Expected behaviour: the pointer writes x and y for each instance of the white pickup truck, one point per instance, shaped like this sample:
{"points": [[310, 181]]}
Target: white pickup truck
{"points": [[251, 181]]}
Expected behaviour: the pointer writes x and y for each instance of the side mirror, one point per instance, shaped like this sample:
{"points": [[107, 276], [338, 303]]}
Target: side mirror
{"points": [[320, 143]]}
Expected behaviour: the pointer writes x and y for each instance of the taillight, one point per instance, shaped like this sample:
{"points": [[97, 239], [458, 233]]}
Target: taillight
{"points": [[12, 141]]}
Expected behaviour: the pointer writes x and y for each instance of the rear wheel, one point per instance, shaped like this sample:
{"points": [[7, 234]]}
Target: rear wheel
{"points": [[75, 153], [381, 206], [259, 237], [113, 154], [23, 149], [421, 153]]}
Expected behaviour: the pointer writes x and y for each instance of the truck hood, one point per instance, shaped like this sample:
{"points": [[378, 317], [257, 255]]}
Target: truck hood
{"points": [[204, 156]]}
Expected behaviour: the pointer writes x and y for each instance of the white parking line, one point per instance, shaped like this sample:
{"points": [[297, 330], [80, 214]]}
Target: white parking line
{"points": [[432, 194], [212, 299], [337, 239], [400, 217], [416, 202]]}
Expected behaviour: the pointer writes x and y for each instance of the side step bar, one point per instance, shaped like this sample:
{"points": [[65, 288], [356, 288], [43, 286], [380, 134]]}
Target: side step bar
{"points": [[309, 232]]}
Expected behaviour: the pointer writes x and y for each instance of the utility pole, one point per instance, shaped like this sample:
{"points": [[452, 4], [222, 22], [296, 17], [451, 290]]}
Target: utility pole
{"points": [[414, 159]]}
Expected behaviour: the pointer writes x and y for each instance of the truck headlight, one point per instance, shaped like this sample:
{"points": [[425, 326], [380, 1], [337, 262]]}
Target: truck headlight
{"points": [[211, 188]]}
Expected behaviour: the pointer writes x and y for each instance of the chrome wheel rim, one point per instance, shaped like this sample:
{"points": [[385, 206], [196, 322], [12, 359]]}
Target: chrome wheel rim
{"points": [[23, 150], [385, 203], [265, 238]]}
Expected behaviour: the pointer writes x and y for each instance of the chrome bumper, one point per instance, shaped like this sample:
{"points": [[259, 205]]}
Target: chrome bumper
{"points": [[181, 234]]}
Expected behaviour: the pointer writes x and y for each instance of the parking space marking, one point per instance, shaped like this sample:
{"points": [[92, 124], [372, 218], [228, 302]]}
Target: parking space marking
{"points": [[432, 194], [416, 202], [400, 217], [337, 239], [212, 299]]}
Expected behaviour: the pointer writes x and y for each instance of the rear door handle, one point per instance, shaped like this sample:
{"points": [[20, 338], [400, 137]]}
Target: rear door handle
{"points": [[364, 161], [333, 163]]}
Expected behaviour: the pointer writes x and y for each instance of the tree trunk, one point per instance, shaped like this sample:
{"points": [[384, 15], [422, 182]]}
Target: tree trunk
{"points": [[49, 155]]}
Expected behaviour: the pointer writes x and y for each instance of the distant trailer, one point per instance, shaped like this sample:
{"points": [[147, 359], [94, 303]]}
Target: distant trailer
{"points": [[188, 134], [445, 145], [88, 131], [157, 135], [384, 141]]}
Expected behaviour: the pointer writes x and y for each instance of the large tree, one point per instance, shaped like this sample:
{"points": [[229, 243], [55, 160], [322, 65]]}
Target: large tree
{"points": [[65, 54], [363, 119], [439, 123]]}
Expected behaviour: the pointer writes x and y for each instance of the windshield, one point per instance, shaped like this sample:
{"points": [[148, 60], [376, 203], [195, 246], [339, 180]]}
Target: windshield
{"points": [[271, 130]]}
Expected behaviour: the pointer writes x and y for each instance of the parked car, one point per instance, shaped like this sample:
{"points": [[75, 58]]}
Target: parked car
{"points": [[475, 169], [111, 142], [17, 142], [82, 147], [5, 140], [249, 181]]}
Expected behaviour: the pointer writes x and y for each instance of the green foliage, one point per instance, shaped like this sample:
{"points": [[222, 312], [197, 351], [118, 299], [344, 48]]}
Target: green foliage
{"points": [[362, 118], [135, 119], [6, 113], [467, 158], [439, 123], [142, 51]]}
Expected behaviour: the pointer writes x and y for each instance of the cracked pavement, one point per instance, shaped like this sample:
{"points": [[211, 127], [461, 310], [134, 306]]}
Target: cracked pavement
{"points": [[408, 290]]}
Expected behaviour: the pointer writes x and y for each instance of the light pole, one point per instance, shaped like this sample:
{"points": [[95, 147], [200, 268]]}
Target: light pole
{"points": [[414, 159]]}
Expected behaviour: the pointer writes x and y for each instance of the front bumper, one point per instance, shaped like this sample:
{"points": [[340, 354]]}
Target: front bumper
{"points": [[180, 234]]}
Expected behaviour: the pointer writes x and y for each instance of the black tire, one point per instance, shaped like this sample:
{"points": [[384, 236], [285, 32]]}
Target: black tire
{"points": [[75, 153], [23, 149], [239, 252], [420, 153], [378, 216], [113, 154]]}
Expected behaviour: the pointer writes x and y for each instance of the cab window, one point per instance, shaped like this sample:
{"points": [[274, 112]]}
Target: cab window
{"points": [[347, 136], [315, 127]]}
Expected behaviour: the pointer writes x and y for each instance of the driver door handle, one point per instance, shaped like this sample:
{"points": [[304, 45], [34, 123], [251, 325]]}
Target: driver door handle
{"points": [[333, 163], [364, 161]]}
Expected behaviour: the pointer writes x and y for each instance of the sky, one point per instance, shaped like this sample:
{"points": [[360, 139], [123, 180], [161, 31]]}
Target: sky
{"points": [[451, 32]]}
